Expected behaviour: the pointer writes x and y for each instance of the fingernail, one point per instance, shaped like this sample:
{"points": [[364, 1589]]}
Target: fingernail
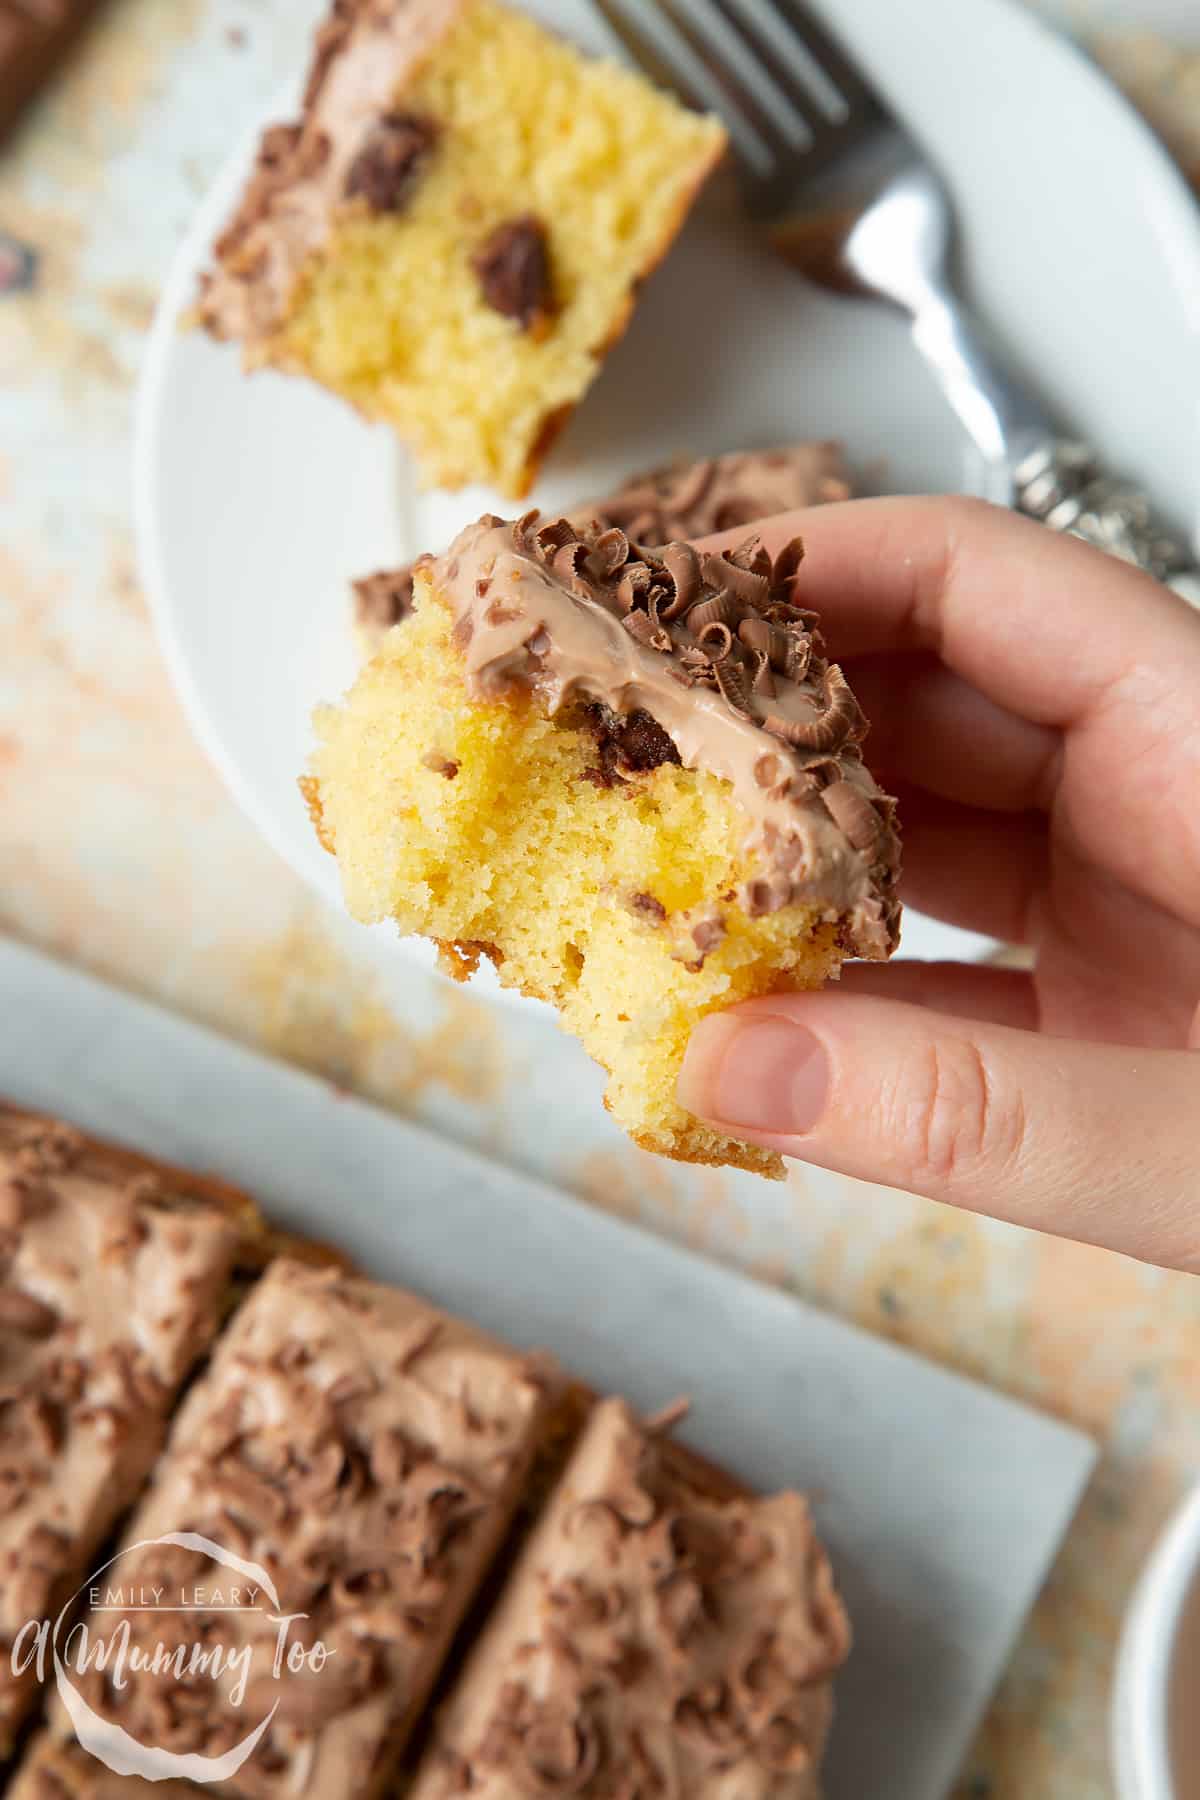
{"points": [[764, 1074]]}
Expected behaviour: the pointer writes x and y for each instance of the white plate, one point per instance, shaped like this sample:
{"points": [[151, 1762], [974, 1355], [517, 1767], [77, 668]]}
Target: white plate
{"points": [[258, 500], [942, 1502]]}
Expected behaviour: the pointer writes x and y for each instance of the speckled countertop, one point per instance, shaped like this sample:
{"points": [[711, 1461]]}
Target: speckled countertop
{"points": [[120, 849]]}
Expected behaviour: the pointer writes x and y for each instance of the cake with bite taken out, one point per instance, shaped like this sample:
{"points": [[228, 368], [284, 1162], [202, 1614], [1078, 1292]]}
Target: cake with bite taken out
{"points": [[627, 777]]}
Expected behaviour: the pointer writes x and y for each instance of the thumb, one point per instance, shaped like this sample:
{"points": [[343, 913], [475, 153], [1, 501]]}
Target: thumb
{"points": [[1092, 1141]]}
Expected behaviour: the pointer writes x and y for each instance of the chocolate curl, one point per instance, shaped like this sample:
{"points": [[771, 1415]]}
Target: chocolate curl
{"points": [[715, 632], [708, 1724], [787, 563], [610, 553], [661, 639], [568, 566], [645, 630], [750, 586], [521, 530], [698, 667], [850, 808], [634, 585], [838, 720], [734, 685], [762, 681], [555, 535], [682, 564], [798, 655], [751, 555], [716, 609], [772, 641]]}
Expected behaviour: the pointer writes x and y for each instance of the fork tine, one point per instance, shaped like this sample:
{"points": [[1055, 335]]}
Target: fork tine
{"points": [[765, 52], [742, 98], [649, 58], [825, 51]]}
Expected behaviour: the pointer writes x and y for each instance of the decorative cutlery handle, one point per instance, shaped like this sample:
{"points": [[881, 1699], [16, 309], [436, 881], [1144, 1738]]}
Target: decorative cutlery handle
{"points": [[1062, 484]]}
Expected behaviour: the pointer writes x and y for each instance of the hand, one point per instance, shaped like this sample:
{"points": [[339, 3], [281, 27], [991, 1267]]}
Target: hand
{"points": [[1036, 708]]}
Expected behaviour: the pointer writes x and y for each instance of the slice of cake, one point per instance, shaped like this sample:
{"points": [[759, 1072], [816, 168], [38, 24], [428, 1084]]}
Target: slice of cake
{"points": [[680, 500], [655, 1637], [629, 778], [452, 235], [116, 1275], [369, 1454]]}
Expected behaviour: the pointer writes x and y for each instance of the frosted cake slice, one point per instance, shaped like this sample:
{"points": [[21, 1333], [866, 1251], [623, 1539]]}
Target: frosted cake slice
{"points": [[628, 777], [655, 1637], [117, 1272]]}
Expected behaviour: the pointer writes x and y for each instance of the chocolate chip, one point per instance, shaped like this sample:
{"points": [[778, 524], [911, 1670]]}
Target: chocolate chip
{"points": [[647, 907], [513, 266], [643, 744], [630, 744], [387, 166]]}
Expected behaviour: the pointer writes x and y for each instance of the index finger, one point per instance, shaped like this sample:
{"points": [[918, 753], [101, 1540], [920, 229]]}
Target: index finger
{"points": [[1043, 624]]}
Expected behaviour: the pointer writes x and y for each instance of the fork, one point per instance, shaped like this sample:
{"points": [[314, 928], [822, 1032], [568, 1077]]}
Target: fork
{"points": [[843, 193]]}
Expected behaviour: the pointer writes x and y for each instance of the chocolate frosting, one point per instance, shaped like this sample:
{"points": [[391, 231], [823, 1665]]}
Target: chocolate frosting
{"points": [[369, 1453], [653, 1640], [719, 655]]}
